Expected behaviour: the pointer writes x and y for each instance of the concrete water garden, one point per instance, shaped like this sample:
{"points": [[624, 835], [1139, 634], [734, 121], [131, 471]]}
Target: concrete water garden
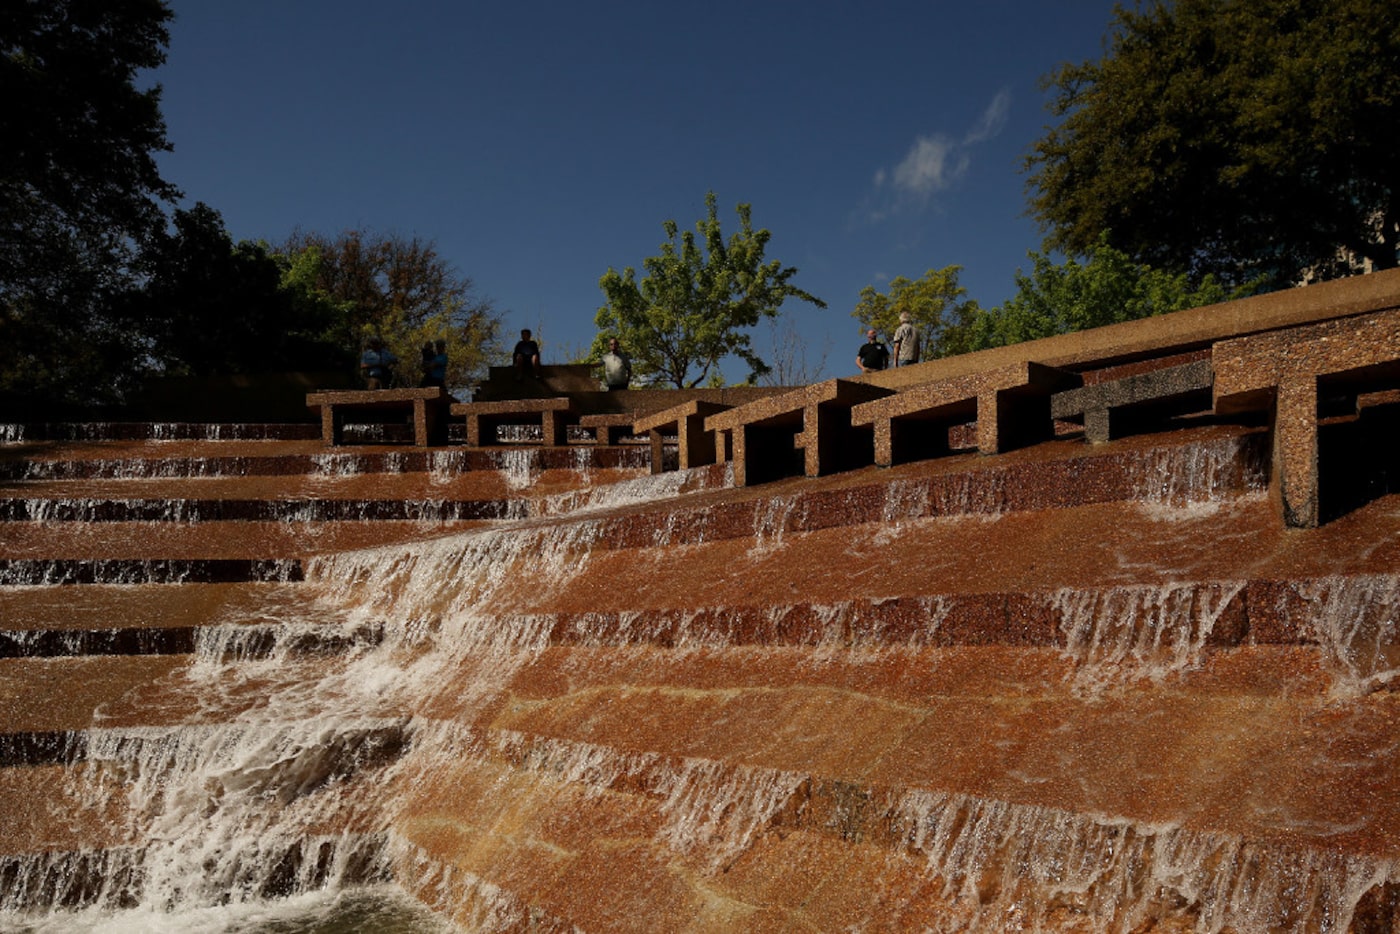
{"points": [[1015, 681]]}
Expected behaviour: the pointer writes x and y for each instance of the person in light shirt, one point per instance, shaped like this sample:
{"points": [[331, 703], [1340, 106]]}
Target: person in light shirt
{"points": [[906, 341], [617, 366]]}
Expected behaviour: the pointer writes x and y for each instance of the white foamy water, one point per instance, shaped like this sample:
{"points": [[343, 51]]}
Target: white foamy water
{"points": [[1356, 621], [771, 519], [1016, 867], [1120, 634], [276, 776], [278, 779], [1188, 481]]}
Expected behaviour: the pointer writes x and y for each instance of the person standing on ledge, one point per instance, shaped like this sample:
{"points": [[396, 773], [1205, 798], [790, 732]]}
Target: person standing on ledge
{"points": [[873, 355], [377, 365], [906, 342], [527, 354], [617, 366]]}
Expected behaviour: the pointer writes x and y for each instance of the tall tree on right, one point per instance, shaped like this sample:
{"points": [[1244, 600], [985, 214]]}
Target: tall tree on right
{"points": [[1251, 139]]}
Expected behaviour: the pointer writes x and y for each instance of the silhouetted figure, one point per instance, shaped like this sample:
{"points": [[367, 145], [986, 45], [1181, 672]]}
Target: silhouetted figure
{"points": [[527, 354], [377, 365], [438, 372], [425, 365]]}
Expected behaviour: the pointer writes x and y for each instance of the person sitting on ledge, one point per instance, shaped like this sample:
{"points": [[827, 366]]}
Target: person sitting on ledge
{"points": [[527, 354], [377, 365]]}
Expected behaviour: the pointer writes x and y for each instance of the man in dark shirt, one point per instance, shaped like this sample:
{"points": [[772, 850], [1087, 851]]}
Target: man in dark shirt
{"points": [[527, 354], [873, 355]]}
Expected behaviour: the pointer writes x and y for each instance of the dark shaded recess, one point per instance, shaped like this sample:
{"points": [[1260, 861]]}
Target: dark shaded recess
{"points": [[1358, 459]]}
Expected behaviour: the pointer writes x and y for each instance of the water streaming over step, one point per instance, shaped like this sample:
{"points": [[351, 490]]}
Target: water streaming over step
{"points": [[1013, 867], [1356, 620], [1123, 633], [280, 778], [286, 788]]}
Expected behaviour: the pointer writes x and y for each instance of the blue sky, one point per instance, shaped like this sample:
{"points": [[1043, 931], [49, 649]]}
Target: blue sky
{"points": [[538, 144]]}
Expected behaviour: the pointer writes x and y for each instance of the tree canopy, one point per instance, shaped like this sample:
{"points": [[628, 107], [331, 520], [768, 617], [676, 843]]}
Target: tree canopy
{"points": [[80, 192], [936, 304], [1243, 138], [210, 306], [402, 291], [1106, 288], [697, 302]]}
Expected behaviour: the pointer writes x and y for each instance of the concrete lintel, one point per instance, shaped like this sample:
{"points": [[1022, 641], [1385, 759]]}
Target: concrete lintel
{"points": [[1281, 371], [1010, 405], [551, 414], [1109, 409], [427, 405], [814, 419], [697, 445]]}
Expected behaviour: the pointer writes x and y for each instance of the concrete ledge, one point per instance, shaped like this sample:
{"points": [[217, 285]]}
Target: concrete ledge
{"points": [[16, 572], [1163, 335], [552, 415], [428, 406], [697, 445], [1011, 405], [815, 420], [1117, 407], [608, 427], [1282, 373]]}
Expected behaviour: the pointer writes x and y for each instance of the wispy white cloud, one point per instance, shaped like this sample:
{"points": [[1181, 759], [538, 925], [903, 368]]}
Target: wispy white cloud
{"points": [[931, 165], [934, 163], [992, 121]]}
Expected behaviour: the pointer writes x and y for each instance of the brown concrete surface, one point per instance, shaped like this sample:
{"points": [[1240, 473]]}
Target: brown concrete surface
{"points": [[1059, 688], [1283, 372]]}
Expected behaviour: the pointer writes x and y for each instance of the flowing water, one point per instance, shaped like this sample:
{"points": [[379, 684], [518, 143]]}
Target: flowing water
{"points": [[270, 800]]}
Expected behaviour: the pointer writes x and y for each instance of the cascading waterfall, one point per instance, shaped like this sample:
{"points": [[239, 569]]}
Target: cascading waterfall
{"points": [[1119, 634], [278, 778], [1356, 620], [1016, 867], [272, 799], [1181, 480]]}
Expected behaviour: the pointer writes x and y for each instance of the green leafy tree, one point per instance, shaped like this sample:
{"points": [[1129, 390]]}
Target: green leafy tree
{"points": [[697, 302], [401, 290], [80, 192], [936, 304], [1106, 288], [1243, 138]]}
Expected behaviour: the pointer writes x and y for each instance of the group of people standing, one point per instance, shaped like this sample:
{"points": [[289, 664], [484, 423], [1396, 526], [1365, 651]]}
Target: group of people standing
{"points": [[377, 364], [874, 355]]}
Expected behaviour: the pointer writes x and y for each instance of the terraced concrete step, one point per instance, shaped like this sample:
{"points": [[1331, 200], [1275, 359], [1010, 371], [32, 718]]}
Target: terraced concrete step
{"points": [[158, 431], [28, 546], [126, 460], [1357, 618], [85, 509], [528, 823], [48, 572], [115, 878]]}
